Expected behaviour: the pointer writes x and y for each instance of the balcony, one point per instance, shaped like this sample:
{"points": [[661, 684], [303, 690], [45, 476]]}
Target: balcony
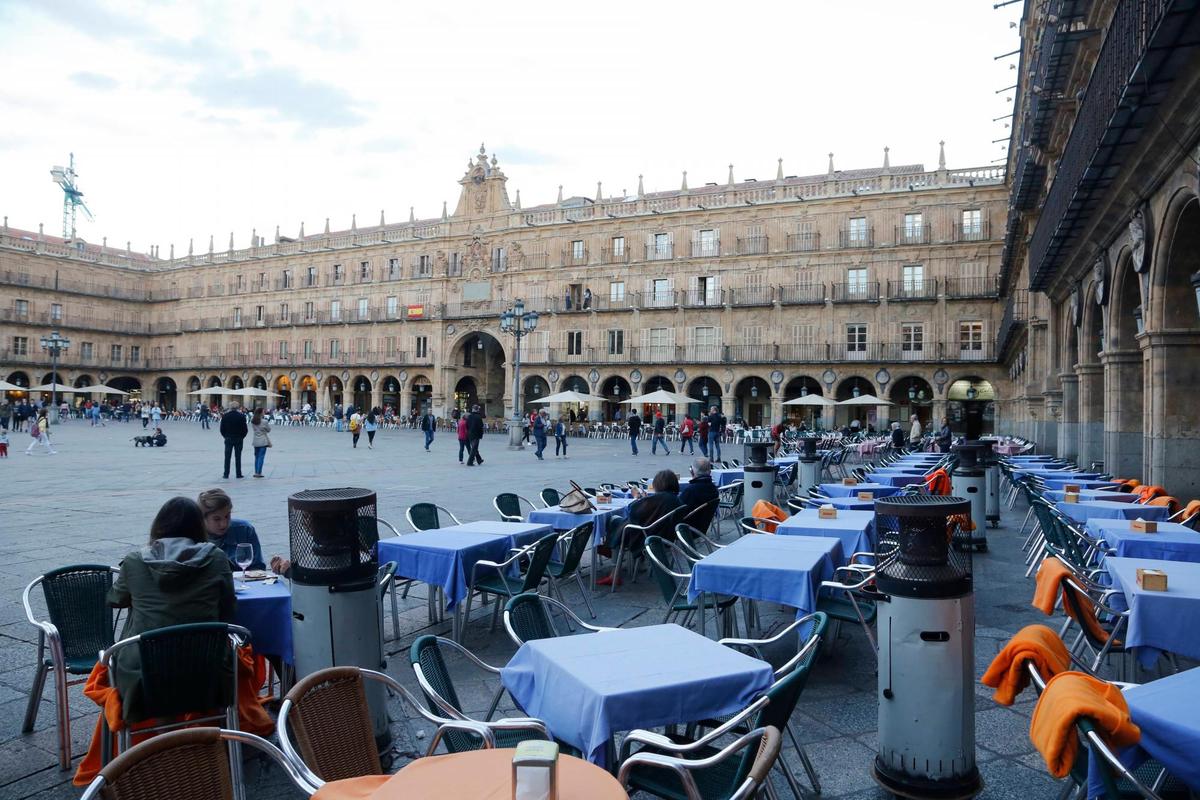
{"points": [[913, 234], [856, 292], [574, 258], [753, 245], [655, 354], [803, 353], [706, 248], [968, 351], [280, 284], [857, 351], [913, 289], [1016, 313], [700, 298], [624, 301], [802, 294], [981, 286], [482, 308], [338, 279], [657, 299], [852, 238], [660, 252], [613, 255], [752, 296], [753, 353], [607, 355], [803, 242], [972, 231], [915, 350]]}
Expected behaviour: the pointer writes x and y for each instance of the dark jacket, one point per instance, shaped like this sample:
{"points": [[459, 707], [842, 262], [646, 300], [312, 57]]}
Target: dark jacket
{"points": [[474, 426], [539, 426], [168, 582], [643, 511], [240, 532], [233, 425], [697, 492], [898, 439], [716, 425], [635, 424], [660, 425], [428, 422], [945, 438]]}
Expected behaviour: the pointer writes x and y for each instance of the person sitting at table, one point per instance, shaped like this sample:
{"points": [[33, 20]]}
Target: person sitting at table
{"points": [[699, 490], [224, 531], [662, 498], [897, 436]]}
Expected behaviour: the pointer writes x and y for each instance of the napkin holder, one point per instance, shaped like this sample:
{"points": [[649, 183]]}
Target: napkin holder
{"points": [[866, 495], [849, 482], [827, 512], [1071, 488], [1144, 526], [1071, 497], [535, 771], [603, 499], [1152, 580]]}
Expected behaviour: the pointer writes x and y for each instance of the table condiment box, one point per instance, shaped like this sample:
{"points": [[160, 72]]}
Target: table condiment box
{"points": [[1071, 497], [827, 513], [1144, 526], [1152, 580], [866, 495], [849, 482], [1071, 488]]}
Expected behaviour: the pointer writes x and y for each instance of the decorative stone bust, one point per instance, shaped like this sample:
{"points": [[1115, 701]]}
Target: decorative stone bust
{"points": [[1137, 241]]}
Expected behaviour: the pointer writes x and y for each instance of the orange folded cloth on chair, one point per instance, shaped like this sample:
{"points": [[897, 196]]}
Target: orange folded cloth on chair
{"points": [[1050, 584], [360, 788], [252, 717], [768, 511], [1069, 696], [938, 482], [1033, 643]]}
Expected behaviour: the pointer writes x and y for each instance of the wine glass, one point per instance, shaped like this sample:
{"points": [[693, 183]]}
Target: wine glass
{"points": [[244, 556]]}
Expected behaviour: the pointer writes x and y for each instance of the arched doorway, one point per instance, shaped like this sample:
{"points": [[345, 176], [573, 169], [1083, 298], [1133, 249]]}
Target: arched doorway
{"points": [[615, 389], [810, 416], [971, 407], [849, 389], [166, 392], [479, 356], [1124, 390], [911, 395], [706, 393], [648, 410], [213, 399], [391, 392], [80, 383], [535, 388], [335, 391], [307, 392], [132, 385], [422, 394], [193, 386], [465, 394], [752, 402], [283, 388], [362, 393], [17, 379]]}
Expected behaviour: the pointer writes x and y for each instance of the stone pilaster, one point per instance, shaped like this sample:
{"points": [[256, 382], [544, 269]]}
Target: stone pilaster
{"points": [[1068, 426], [1090, 426], [1123, 393], [1171, 418]]}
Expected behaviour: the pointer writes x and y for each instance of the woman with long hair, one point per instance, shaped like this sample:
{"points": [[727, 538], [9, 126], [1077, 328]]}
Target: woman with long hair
{"points": [[261, 427]]}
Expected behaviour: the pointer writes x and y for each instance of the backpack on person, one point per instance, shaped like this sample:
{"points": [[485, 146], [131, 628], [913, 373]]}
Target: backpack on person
{"points": [[353, 425]]}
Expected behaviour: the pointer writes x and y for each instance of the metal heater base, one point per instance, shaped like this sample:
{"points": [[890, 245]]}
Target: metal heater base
{"points": [[960, 788]]}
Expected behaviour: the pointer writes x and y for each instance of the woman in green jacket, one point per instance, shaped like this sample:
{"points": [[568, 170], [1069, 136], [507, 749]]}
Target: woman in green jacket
{"points": [[176, 579]]}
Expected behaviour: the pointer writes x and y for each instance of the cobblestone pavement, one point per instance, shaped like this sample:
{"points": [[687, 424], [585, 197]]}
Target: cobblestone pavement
{"points": [[94, 501]]}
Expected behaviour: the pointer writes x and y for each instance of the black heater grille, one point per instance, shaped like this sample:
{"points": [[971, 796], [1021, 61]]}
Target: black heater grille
{"points": [[333, 535], [914, 533]]}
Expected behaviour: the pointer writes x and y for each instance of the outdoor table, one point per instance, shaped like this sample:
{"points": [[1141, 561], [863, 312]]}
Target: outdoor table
{"points": [[1160, 621], [895, 478], [475, 774], [855, 529], [1088, 483], [1008, 449], [265, 609], [776, 569], [444, 557], [783, 461], [1086, 510], [565, 521], [901, 469], [849, 503], [1165, 710], [1057, 495], [725, 477], [588, 687], [1046, 473], [842, 490], [1172, 541]]}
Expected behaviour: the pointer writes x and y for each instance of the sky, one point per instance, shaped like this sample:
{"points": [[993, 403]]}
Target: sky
{"points": [[204, 118]]}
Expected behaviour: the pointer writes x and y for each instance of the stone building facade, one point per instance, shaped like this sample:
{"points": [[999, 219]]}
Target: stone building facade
{"points": [[1101, 332], [881, 281]]}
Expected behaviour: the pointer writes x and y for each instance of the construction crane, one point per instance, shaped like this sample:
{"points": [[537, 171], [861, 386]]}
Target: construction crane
{"points": [[72, 197]]}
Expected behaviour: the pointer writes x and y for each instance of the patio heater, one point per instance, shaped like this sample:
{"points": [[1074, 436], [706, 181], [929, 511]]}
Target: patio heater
{"points": [[991, 468], [336, 606], [926, 624], [969, 480], [809, 464], [758, 476]]}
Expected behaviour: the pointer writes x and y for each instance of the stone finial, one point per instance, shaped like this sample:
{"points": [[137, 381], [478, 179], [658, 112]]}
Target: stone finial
{"points": [[276, 234], [730, 180], [327, 226], [172, 251], [128, 248], [210, 244], [518, 203], [683, 187], [381, 222], [412, 217], [494, 161], [41, 230], [190, 242], [560, 194], [887, 164], [445, 216], [104, 243], [641, 191], [302, 230], [831, 164], [6, 222], [942, 154], [354, 222], [231, 241], [482, 149], [599, 193], [254, 237], [779, 171]]}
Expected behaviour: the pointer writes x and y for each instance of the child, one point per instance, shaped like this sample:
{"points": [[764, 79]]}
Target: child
{"points": [[3, 442]]}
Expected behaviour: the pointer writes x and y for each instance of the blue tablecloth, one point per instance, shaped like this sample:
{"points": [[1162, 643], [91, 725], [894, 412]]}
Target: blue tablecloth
{"points": [[849, 503], [895, 478], [1089, 483], [724, 477], [1172, 541], [561, 520], [842, 490], [590, 686], [902, 470], [1159, 621], [855, 529], [1086, 510], [444, 556], [776, 569], [1165, 710], [1057, 495], [265, 609]]}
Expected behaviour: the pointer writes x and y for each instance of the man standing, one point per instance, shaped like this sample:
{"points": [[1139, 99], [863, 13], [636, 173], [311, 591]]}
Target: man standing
{"points": [[337, 417], [660, 428], [233, 431], [635, 428], [474, 434], [716, 432], [5, 411], [914, 433], [539, 434], [945, 437], [428, 426]]}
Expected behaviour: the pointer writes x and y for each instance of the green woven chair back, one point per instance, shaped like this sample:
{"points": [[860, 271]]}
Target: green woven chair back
{"points": [[580, 537], [424, 516], [186, 668], [425, 651], [529, 618], [509, 504], [551, 496], [663, 553], [543, 551], [76, 604]]}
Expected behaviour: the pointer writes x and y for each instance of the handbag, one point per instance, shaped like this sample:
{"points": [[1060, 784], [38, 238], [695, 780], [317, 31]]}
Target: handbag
{"points": [[576, 501]]}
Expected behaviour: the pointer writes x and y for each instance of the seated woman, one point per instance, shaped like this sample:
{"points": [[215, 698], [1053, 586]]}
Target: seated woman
{"points": [[159, 439], [663, 498], [224, 531]]}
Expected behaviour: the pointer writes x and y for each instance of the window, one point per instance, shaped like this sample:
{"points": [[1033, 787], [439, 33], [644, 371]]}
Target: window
{"points": [[751, 334], [363, 308], [424, 266], [309, 313], [393, 269], [259, 349], [421, 347], [618, 246], [390, 346], [287, 279], [335, 348], [237, 318], [972, 222], [914, 227], [661, 292], [393, 306], [577, 250], [856, 341], [115, 352], [455, 268], [335, 310], [856, 282], [661, 344], [499, 259], [56, 312], [283, 348], [284, 312], [310, 278], [706, 291], [241, 282], [970, 339], [706, 343], [857, 232], [86, 349], [21, 308], [360, 347], [308, 349], [616, 343], [616, 293], [914, 278], [339, 273], [20, 345], [661, 247], [912, 340], [235, 351], [707, 243], [260, 314], [364, 271], [574, 343]]}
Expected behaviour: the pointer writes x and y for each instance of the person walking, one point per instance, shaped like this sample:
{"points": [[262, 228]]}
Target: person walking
{"points": [[635, 429], [261, 425], [337, 417], [156, 415], [145, 415], [474, 435], [526, 427], [945, 437], [355, 427], [660, 428], [539, 434], [5, 411], [461, 430], [233, 431], [687, 431], [716, 432], [702, 434], [914, 433], [370, 425], [428, 427], [560, 437], [205, 417], [39, 433]]}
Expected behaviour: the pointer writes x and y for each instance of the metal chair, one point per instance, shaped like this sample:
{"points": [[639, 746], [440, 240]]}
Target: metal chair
{"points": [[80, 625], [508, 505], [663, 526], [667, 559], [572, 545], [731, 772], [729, 503], [694, 544], [189, 764], [501, 584], [527, 617], [425, 516], [701, 517], [550, 497]]}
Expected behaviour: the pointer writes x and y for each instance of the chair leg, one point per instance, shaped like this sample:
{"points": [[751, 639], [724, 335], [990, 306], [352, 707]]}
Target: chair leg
{"points": [[804, 760], [587, 601], [35, 697], [495, 613], [462, 633], [395, 611], [63, 711], [786, 769]]}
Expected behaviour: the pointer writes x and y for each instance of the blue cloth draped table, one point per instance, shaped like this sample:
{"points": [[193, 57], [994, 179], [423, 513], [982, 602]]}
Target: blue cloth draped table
{"points": [[842, 490], [1057, 495], [588, 687], [900, 479], [849, 503], [1160, 621], [855, 529], [265, 609], [1085, 483], [1172, 541], [1087, 510], [561, 520]]}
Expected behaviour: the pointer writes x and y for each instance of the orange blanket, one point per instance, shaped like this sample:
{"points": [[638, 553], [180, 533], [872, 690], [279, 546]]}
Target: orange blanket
{"points": [[1033, 643], [1069, 696], [768, 511], [938, 483], [1050, 577], [252, 717]]}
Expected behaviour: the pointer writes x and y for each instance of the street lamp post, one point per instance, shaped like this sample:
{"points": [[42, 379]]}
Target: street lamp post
{"points": [[518, 323], [55, 344]]}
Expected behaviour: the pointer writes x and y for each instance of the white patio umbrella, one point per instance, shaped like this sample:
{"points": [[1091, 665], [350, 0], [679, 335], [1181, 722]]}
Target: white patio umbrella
{"points": [[254, 392], [865, 400], [220, 391], [809, 400], [662, 397], [101, 388], [571, 397], [53, 387]]}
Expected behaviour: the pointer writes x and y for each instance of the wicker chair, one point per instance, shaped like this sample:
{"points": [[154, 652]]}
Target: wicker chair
{"points": [[730, 503], [550, 497], [188, 764], [736, 772], [572, 545], [497, 582], [80, 625], [527, 617], [666, 558], [426, 516], [508, 505]]}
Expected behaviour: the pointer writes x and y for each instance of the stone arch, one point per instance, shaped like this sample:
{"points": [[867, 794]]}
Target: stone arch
{"points": [[421, 395], [971, 405], [360, 388], [1124, 389], [911, 394], [850, 387], [166, 393], [615, 388], [390, 388], [127, 383], [482, 355], [808, 416], [574, 383], [752, 401], [335, 390], [466, 393], [703, 400], [533, 388], [17, 378]]}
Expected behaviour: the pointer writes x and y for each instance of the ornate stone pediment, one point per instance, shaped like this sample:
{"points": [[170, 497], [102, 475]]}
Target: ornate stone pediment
{"points": [[484, 189]]}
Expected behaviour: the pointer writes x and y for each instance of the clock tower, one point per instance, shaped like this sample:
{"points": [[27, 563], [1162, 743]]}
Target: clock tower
{"points": [[483, 188]]}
